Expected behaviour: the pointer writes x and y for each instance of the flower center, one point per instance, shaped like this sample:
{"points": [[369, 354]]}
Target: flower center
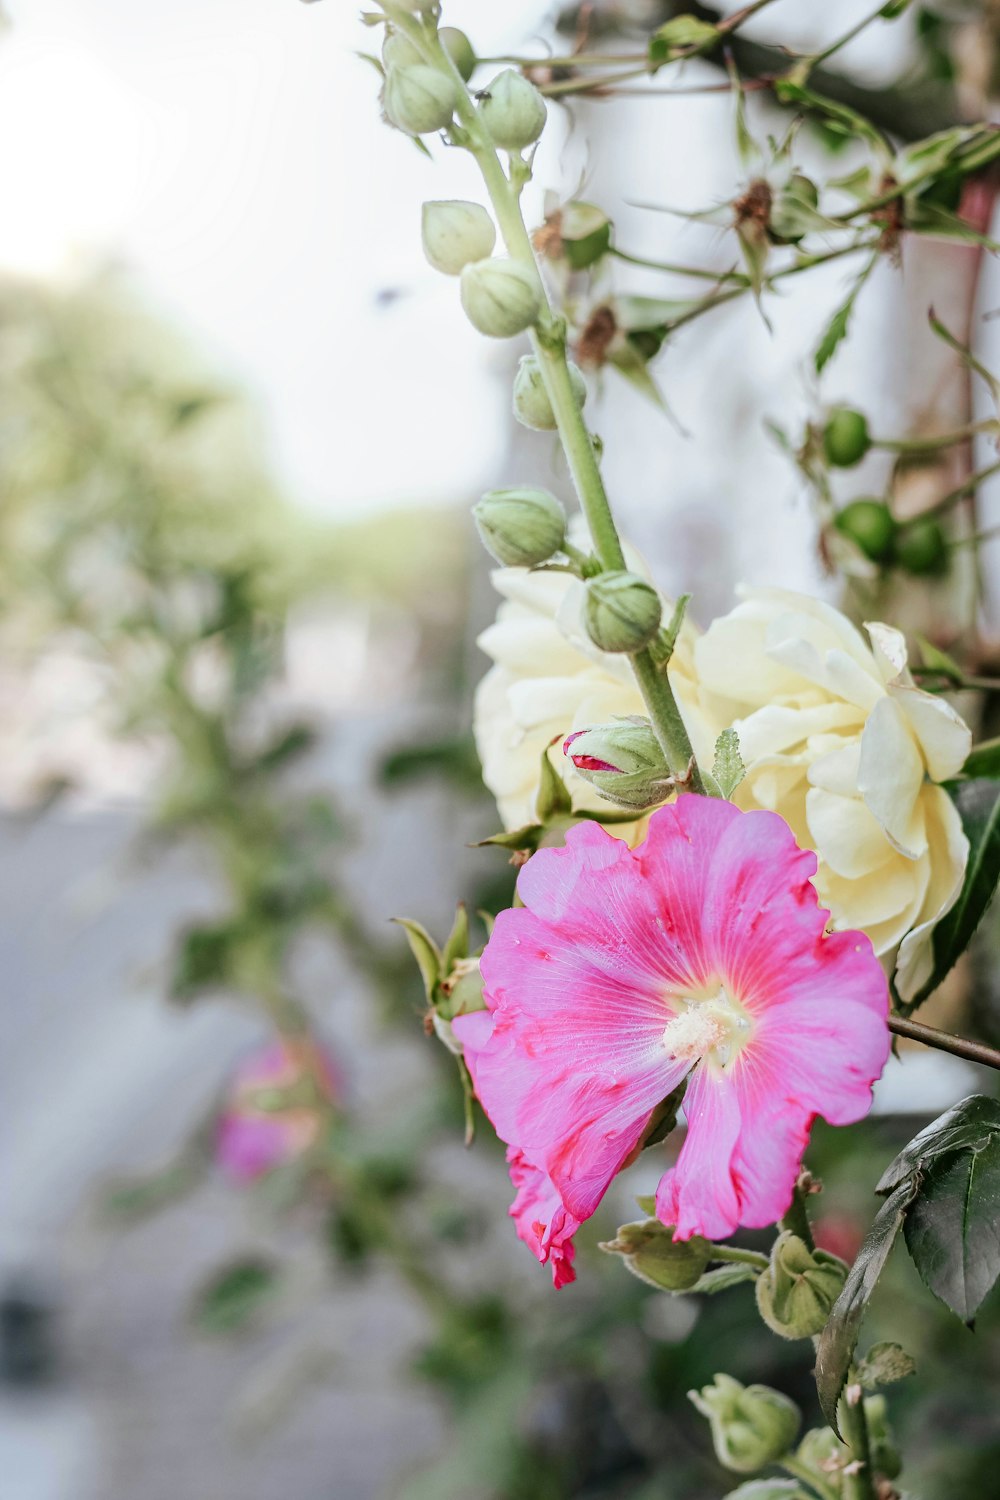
{"points": [[714, 1026]]}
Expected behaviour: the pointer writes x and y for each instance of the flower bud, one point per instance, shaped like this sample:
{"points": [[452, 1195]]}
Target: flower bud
{"points": [[621, 612], [921, 547], [459, 49], [846, 438], [500, 297], [532, 406], [520, 528], [870, 526], [461, 993], [797, 1291], [821, 1450], [512, 110], [623, 760], [751, 1425], [419, 99], [398, 51], [884, 1453], [793, 210], [651, 1253], [455, 233]]}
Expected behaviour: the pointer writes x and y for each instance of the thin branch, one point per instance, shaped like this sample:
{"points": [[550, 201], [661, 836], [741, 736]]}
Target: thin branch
{"points": [[958, 1046]]}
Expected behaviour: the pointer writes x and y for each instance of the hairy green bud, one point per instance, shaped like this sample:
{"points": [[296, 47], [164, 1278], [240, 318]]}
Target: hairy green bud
{"points": [[512, 110], [651, 1253], [532, 406], [500, 297], [921, 547], [621, 612], [751, 1425], [419, 99], [846, 438], [797, 1291], [522, 527], [459, 49], [870, 526], [622, 760], [455, 233]]}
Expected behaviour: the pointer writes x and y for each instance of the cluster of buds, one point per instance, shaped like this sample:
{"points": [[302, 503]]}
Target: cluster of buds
{"points": [[752, 1425]]}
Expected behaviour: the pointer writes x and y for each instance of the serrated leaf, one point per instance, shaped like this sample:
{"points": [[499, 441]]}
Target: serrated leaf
{"points": [[723, 1277], [978, 805], [836, 329], [728, 769], [964, 1127], [837, 1342], [883, 1365], [953, 1227], [426, 952], [457, 944]]}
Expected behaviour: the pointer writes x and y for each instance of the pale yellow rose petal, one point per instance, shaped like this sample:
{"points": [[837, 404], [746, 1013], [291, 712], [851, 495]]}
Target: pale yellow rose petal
{"points": [[891, 775], [845, 834], [949, 856], [943, 735]]}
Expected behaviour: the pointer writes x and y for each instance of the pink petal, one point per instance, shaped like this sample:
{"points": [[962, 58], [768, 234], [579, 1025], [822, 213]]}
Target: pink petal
{"points": [[541, 1221], [698, 1195]]}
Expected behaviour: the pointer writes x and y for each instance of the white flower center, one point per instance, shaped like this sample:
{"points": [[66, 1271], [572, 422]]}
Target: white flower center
{"points": [[715, 1027]]}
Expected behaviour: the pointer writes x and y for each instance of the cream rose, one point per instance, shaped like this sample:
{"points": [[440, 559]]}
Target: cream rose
{"points": [[839, 741], [549, 679]]}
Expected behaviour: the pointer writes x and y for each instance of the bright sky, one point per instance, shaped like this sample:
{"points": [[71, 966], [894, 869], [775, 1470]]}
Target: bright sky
{"points": [[231, 153]]}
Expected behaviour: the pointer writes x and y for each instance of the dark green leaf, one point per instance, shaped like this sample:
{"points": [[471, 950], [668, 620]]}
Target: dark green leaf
{"points": [[967, 1126], [234, 1296], [953, 1228], [978, 804], [984, 760], [838, 1339], [836, 329]]}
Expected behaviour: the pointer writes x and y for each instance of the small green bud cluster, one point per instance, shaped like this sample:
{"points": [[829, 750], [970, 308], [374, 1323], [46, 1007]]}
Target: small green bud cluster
{"points": [[751, 1425], [621, 612], [919, 547], [521, 528], [623, 761], [532, 406], [651, 1253], [796, 1293]]}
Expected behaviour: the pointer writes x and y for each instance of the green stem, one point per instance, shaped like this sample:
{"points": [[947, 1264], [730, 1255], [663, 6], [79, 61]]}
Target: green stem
{"points": [[848, 36], [821, 1487], [942, 440], [854, 1426], [797, 1219], [960, 493], [734, 1255]]}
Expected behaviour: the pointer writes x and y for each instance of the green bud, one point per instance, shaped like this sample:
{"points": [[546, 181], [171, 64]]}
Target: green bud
{"points": [[751, 1425], [419, 99], [921, 547], [512, 110], [500, 297], [623, 760], [651, 1253], [870, 526], [459, 49], [532, 406], [885, 1455], [398, 51], [769, 1489], [520, 528], [793, 210], [621, 612], [820, 1450], [797, 1291], [461, 990], [846, 438], [455, 233]]}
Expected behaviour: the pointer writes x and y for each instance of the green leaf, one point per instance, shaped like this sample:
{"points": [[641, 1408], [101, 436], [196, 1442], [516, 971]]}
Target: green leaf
{"points": [[457, 945], [728, 769], [553, 800], [235, 1295], [427, 953], [528, 837], [724, 1277], [647, 1202], [978, 804], [936, 660], [679, 38], [663, 1120], [984, 760], [953, 1228], [836, 329], [840, 1336], [883, 1365], [965, 354], [965, 1127]]}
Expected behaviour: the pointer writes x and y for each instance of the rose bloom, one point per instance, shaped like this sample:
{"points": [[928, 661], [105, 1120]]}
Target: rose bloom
{"points": [[549, 679], [251, 1140], [701, 955], [839, 741]]}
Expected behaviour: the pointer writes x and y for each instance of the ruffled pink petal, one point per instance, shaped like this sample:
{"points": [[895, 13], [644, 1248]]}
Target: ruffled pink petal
{"points": [[698, 1195], [541, 1221]]}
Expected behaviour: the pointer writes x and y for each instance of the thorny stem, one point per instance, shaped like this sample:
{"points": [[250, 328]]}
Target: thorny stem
{"points": [[548, 339], [944, 1041]]}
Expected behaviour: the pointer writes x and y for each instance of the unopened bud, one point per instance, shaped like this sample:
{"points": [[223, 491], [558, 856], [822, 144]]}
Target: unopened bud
{"points": [[821, 1451], [459, 49], [870, 526], [398, 51], [419, 99], [500, 297], [751, 1425], [793, 210], [797, 1291], [512, 110], [922, 548], [884, 1453], [651, 1253], [460, 994], [455, 233], [623, 760], [532, 406], [846, 438], [520, 528], [621, 612]]}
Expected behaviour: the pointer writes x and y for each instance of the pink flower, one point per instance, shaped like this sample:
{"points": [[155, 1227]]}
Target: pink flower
{"points": [[700, 954], [541, 1219], [251, 1140]]}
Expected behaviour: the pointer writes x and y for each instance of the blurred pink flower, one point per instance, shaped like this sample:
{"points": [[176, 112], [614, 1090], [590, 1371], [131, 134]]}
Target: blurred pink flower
{"points": [[700, 954], [251, 1140]]}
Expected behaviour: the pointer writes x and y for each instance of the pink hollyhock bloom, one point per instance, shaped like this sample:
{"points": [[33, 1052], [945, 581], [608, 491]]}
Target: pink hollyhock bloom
{"points": [[251, 1140], [700, 954]]}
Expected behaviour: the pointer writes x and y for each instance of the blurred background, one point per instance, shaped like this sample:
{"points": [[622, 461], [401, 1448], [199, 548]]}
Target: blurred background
{"points": [[243, 1251]]}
